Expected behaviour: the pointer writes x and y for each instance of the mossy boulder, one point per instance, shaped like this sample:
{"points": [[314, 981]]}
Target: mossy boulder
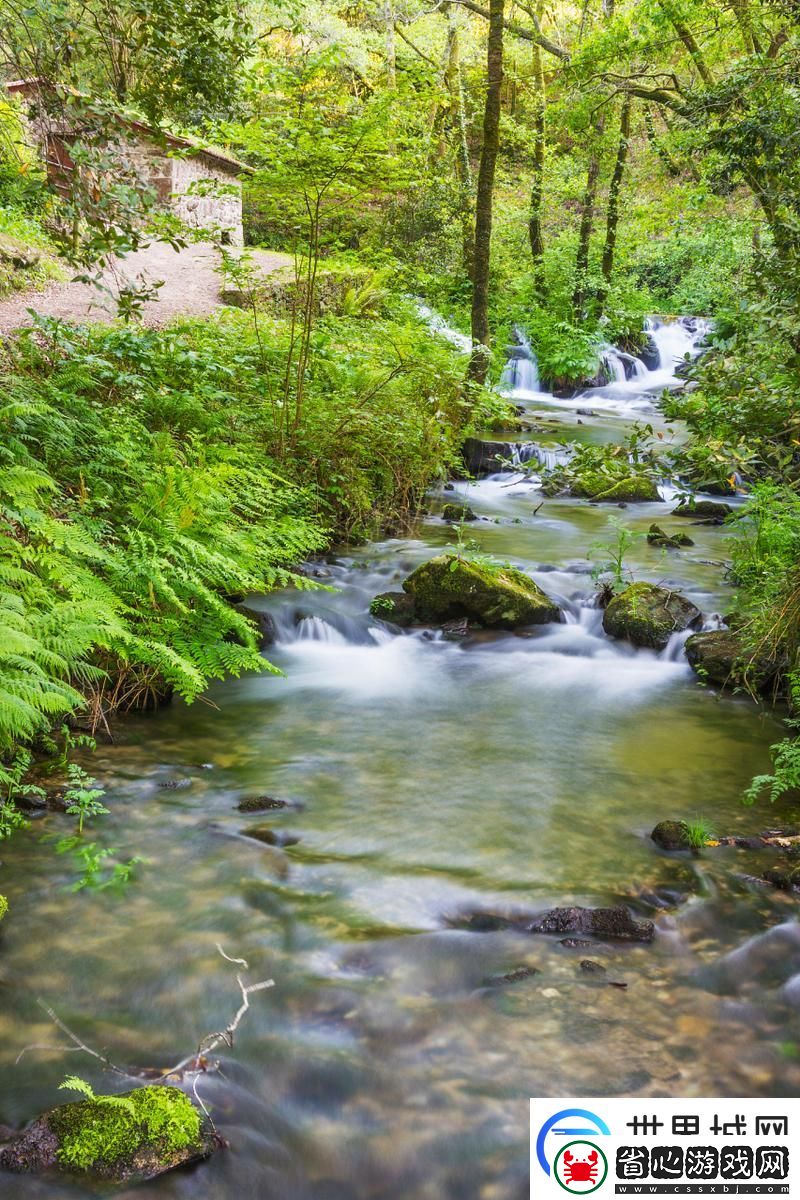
{"points": [[647, 615], [132, 1137], [632, 489], [17, 253], [395, 607], [458, 512], [720, 657], [673, 541], [671, 835], [449, 586], [703, 512]]}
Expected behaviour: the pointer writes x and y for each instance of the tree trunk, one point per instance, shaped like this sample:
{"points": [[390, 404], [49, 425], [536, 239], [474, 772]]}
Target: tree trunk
{"points": [[479, 363], [687, 37], [653, 139], [455, 88], [615, 187], [391, 46], [535, 232], [587, 223]]}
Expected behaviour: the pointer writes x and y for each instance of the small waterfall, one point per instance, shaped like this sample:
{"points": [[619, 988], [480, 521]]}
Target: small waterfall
{"points": [[621, 365], [676, 341], [316, 629], [548, 457], [521, 372], [437, 324], [673, 651]]}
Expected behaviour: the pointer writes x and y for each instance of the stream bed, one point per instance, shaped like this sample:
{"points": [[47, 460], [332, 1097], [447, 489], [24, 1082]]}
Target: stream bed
{"points": [[425, 778]]}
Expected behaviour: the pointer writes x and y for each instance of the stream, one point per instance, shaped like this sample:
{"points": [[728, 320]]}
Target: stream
{"points": [[425, 778]]}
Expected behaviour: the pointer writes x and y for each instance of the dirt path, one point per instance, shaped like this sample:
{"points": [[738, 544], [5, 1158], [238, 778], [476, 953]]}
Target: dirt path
{"points": [[191, 288]]}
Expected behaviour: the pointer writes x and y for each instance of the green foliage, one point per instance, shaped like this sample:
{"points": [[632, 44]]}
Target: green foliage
{"points": [[785, 775], [141, 488], [624, 471], [3, 907], [105, 1130], [609, 572], [766, 567], [81, 797], [698, 833]]}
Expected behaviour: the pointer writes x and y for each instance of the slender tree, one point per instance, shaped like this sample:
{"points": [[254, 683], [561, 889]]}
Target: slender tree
{"points": [[535, 232], [588, 201], [479, 362], [458, 129], [614, 190]]}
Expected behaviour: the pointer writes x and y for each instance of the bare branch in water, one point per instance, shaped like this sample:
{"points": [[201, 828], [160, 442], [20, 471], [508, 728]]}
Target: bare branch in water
{"points": [[195, 1064]]}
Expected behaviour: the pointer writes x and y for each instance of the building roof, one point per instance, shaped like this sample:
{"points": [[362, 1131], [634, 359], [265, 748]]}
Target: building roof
{"points": [[29, 87]]}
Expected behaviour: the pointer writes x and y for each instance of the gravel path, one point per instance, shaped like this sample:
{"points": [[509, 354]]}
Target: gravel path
{"points": [[191, 288]]}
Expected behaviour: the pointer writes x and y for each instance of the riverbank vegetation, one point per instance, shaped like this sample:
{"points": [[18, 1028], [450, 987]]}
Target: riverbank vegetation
{"points": [[565, 169]]}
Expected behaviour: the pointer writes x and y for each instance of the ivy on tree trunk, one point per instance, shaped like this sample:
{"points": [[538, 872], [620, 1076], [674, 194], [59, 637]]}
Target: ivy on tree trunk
{"points": [[479, 362]]}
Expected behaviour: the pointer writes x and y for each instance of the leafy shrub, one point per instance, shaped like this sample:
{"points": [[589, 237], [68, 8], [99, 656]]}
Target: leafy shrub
{"points": [[145, 483]]}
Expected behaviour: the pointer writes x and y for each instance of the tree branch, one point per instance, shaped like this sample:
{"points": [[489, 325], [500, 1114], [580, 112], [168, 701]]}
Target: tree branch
{"points": [[534, 35]]}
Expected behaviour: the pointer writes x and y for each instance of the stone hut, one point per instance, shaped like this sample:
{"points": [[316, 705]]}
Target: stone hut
{"points": [[199, 183]]}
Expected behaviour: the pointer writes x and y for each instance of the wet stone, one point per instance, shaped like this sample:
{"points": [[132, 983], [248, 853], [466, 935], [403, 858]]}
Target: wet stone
{"points": [[605, 923], [673, 541], [458, 512], [454, 631], [671, 835], [271, 837], [704, 512], [515, 976], [260, 804]]}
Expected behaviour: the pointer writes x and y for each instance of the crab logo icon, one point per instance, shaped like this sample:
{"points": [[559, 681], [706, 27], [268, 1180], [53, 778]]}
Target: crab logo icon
{"points": [[580, 1168]]}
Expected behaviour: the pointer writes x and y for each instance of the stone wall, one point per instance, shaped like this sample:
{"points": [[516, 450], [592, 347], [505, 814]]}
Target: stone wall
{"points": [[203, 193]]}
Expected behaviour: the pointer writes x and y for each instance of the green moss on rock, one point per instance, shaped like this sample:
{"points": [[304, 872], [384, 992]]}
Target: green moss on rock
{"points": [[458, 512], [595, 485], [647, 615], [448, 587], [138, 1135], [704, 512], [104, 1130], [657, 537], [671, 835]]}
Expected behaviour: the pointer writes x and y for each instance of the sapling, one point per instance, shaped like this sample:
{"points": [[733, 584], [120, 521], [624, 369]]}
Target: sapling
{"points": [[82, 797]]}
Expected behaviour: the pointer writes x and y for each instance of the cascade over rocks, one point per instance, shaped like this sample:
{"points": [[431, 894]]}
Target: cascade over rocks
{"points": [[448, 587], [647, 615]]}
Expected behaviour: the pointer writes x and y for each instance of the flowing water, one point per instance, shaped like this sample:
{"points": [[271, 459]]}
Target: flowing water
{"points": [[425, 778]]}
